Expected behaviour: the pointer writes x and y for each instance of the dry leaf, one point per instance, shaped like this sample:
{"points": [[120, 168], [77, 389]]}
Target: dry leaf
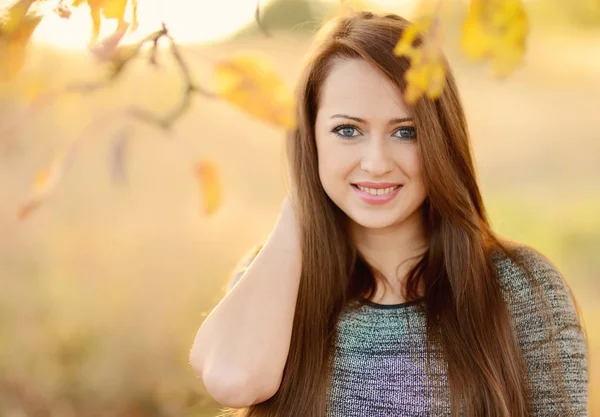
{"points": [[496, 30], [44, 184], [47, 180], [250, 83], [210, 186]]}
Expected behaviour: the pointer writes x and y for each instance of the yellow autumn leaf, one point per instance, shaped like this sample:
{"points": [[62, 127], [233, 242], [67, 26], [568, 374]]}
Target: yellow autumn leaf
{"points": [[13, 45], [12, 17], [475, 41], [44, 184], [437, 80], [405, 44], [210, 187], [496, 30], [250, 83], [114, 9], [424, 78], [427, 74]]}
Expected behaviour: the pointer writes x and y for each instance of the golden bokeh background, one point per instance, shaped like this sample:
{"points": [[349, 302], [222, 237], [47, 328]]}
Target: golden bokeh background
{"points": [[104, 286]]}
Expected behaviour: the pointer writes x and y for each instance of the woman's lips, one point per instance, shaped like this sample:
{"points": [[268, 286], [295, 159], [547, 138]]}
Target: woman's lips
{"points": [[376, 199]]}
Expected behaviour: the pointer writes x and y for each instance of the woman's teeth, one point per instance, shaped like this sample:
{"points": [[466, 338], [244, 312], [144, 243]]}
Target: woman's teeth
{"points": [[380, 191]]}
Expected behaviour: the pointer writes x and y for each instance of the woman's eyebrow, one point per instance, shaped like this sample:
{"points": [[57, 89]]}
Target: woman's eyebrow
{"points": [[358, 119]]}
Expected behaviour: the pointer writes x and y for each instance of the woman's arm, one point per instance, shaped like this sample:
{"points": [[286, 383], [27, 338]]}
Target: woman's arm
{"points": [[242, 266], [242, 346], [552, 387]]}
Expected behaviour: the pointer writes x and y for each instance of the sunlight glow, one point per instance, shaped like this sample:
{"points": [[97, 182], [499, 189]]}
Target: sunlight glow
{"points": [[190, 21]]}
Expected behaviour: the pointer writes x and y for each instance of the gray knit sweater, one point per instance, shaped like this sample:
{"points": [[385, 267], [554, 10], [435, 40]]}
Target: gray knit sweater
{"points": [[380, 353]]}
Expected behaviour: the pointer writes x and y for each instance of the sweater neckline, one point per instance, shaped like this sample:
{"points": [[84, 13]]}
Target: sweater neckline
{"points": [[391, 306]]}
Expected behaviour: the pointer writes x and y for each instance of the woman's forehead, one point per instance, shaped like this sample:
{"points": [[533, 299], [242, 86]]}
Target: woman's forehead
{"points": [[354, 87]]}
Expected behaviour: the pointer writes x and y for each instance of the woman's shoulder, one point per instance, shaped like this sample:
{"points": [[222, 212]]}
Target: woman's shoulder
{"points": [[548, 329], [525, 267], [534, 286]]}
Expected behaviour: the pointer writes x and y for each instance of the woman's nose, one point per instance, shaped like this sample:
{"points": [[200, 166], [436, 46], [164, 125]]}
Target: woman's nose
{"points": [[376, 158]]}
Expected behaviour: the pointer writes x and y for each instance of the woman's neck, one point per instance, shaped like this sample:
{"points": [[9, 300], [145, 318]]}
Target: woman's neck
{"points": [[392, 251]]}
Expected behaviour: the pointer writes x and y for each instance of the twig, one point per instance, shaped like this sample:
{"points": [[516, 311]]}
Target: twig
{"points": [[167, 121], [119, 63]]}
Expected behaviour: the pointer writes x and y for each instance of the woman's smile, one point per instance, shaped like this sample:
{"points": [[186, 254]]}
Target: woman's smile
{"points": [[377, 197]]}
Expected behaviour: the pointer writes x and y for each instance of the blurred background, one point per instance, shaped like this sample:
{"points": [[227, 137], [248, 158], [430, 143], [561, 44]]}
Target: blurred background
{"points": [[104, 286]]}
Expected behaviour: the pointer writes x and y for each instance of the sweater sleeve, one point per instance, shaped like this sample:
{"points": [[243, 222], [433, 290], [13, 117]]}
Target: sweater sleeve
{"points": [[243, 265], [540, 320]]}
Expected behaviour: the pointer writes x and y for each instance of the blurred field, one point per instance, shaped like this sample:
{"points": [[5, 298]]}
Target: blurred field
{"points": [[103, 288]]}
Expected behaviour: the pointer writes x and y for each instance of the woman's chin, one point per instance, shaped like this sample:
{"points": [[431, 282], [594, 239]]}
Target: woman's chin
{"points": [[375, 221]]}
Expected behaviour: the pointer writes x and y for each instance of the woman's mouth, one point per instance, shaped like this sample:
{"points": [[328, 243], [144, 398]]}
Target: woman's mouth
{"points": [[377, 196]]}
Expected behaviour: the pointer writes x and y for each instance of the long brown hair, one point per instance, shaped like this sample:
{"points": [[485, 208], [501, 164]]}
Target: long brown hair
{"points": [[466, 315]]}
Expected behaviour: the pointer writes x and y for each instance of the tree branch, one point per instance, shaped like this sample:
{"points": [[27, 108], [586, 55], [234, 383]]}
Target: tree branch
{"points": [[119, 57]]}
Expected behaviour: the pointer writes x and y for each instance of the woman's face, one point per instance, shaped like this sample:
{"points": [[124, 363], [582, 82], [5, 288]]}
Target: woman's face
{"points": [[364, 134]]}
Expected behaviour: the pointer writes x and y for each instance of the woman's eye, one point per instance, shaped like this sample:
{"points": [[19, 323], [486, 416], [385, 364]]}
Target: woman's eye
{"points": [[407, 132], [345, 131]]}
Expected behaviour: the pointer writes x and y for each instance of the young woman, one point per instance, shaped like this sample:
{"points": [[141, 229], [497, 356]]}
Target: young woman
{"points": [[382, 290]]}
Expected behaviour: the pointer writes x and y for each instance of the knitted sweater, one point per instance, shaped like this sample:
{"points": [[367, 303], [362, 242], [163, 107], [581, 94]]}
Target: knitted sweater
{"points": [[380, 351]]}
